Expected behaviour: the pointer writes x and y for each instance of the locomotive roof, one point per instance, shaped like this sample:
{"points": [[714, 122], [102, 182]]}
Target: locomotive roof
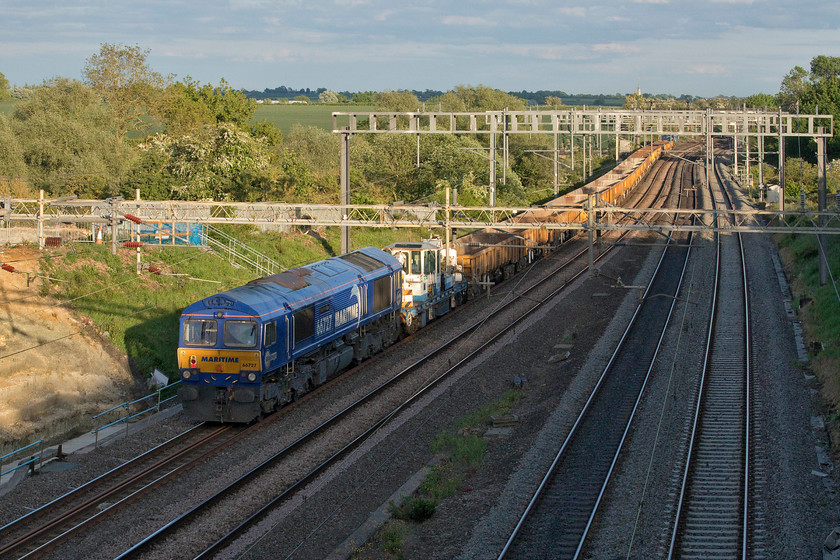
{"points": [[296, 287]]}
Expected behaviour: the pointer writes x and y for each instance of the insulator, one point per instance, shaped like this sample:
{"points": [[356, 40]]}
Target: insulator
{"points": [[134, 219], [133, 244], [7, 267], [154, 270], [802, 201], [837, 200]]}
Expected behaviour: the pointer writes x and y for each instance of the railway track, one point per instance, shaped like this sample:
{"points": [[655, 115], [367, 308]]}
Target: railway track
{"points": [[712, 518], [531, 298], [114, 490], [560, 513], [48, 526]]}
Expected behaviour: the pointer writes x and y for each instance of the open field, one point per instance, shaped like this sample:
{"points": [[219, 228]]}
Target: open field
{"points": [[286, 116]]}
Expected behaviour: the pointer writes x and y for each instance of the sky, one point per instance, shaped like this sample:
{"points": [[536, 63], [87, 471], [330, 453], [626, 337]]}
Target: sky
{"points": [[701, 48]]}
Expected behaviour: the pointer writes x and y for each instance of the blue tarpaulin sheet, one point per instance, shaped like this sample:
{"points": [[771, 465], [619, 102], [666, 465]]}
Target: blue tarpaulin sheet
{"points": [[171, 233]]}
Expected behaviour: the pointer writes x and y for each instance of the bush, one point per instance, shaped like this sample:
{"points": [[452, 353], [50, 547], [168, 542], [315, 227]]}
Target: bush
{"points": [[414, 508]]}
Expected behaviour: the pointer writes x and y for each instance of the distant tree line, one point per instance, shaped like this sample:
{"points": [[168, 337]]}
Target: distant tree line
{"points": [[531, 98]]}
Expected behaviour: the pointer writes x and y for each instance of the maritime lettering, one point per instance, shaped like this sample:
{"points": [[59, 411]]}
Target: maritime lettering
{"points": [[223, 359]]}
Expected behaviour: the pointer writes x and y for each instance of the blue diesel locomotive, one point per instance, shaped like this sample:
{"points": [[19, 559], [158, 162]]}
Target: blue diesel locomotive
{"points": [[251, 349]]}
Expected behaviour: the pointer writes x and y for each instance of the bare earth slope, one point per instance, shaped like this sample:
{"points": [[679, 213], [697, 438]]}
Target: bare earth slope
{"points": [[53, 376]]}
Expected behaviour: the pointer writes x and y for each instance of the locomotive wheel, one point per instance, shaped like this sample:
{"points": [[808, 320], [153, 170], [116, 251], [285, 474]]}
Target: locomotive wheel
{"points": [[412, 324]]}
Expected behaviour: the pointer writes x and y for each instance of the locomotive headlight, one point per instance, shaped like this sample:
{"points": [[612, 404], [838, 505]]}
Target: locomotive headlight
{"points": [[252, 377], [185, 374]]}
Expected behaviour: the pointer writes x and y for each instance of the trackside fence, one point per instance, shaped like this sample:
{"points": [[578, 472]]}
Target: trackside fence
{"points": [[26, 463], [121, 414], [128, 411]]}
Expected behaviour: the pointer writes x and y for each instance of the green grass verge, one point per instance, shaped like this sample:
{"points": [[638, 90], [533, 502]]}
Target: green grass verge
{"points": [[818, 308], [820, 304]]}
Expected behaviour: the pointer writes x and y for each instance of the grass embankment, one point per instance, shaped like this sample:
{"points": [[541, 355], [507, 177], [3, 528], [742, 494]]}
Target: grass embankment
{"points": [[462, 451], [140, 313], [819, 309]]}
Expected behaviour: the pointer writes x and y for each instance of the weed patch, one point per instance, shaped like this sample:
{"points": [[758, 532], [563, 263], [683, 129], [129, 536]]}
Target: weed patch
{"points": [[462, 450], [819, 310]]}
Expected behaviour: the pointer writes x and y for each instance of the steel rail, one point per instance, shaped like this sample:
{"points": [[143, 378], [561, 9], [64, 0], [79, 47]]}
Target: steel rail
{"points": [[65, 500], [712, 540], [584, 414], [52, 533]]}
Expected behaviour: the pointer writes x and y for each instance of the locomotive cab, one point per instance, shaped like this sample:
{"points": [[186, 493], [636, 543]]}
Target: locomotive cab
{"points": [[430, 282]]}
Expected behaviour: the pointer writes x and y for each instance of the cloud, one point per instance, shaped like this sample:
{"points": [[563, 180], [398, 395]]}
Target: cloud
{"points": [[573, 11], [470, 21], [615, 48], [384, 15], [704, 70]]}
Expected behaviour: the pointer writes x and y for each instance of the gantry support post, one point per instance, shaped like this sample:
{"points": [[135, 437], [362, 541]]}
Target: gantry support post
{"points": [[115, 204], [556, 166], [821, 201], [735, 151], [40, 224], [493, 169], [345, 189], [590, 230], [572, 124], [747, 158], [709, 150], [761, 167], [617, 143], [781, 164]]}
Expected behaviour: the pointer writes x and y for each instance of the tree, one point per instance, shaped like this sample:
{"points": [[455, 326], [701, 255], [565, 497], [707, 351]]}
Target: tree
{"points": [[66, 136], [189, 105], [825, 67], [220, 162], [793, 85], [365, 97], [268, 132], [13, 173], [5, 95], [120, 75], [761, 101], [328, 97], [553, 101], [479, 98], [398, 101], [818, 90], [634, 101]]}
